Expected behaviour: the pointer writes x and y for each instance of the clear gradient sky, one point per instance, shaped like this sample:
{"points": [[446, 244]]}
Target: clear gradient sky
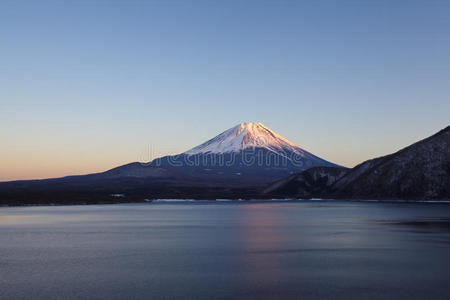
{"points": [[89, 85]]}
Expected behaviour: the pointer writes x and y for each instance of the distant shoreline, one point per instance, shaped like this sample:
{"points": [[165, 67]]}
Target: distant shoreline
{"points": [[229, 201]]}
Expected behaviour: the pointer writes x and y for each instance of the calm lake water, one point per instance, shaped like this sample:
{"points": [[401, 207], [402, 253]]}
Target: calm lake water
{"points": [[223, 250]]}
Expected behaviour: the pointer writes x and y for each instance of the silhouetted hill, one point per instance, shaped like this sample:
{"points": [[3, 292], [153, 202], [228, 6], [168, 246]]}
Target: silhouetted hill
{"points": [[419, 171], [309, 183]]}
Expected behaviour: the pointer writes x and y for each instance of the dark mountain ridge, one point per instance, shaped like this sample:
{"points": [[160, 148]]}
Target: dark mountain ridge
{"points": [[420, 171], [312, 182]]}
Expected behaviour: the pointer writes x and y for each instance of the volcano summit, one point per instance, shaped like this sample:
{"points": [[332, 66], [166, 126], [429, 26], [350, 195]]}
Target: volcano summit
{"points": [[244, 136]]}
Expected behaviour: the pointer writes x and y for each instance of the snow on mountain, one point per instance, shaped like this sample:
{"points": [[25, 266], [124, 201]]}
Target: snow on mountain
{"points": [[248, 152], [244, 136]]}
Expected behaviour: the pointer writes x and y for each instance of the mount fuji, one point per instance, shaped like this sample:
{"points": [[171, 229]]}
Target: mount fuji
{"points": [[244, 136], [247, 152], [237, 163]]}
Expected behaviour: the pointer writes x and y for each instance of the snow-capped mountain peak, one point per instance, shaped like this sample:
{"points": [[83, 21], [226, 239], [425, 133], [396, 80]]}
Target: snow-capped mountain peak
{"points": [[243, 136]]}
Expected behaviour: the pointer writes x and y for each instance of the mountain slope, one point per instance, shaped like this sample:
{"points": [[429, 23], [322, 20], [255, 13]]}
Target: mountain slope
{"points": [[419, 171], [312, 182], [248, 152]]}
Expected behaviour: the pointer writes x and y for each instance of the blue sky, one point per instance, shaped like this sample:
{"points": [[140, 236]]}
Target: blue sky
{"points": [[88, 85]]}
